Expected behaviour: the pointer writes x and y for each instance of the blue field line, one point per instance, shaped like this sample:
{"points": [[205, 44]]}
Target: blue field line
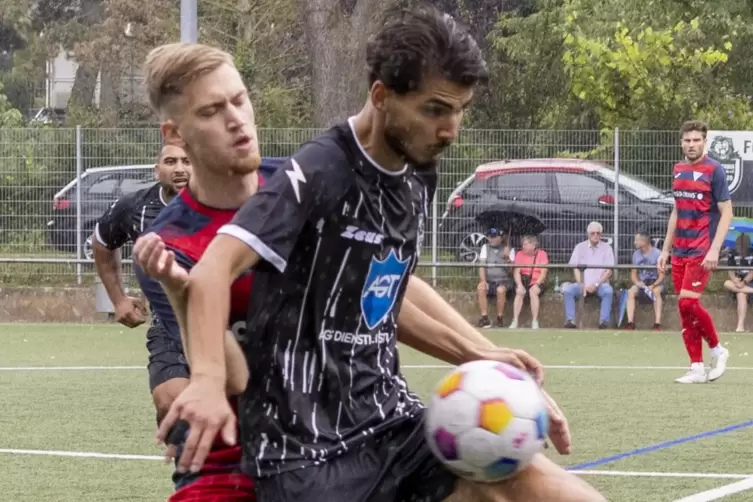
{"points": [[659, 446]]}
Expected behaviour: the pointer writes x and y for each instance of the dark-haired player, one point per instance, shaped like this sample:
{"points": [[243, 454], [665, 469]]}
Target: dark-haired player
{"points": [[204, 107], [697, 228], [125, 220], [334, 237]]}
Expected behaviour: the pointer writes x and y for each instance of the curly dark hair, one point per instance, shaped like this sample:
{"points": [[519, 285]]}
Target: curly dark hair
{"points": [[413, 45]]}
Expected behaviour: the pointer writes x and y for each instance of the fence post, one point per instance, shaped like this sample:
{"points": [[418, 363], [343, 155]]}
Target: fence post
{"points": [[616, 247], [434, 238], [79, 230]]}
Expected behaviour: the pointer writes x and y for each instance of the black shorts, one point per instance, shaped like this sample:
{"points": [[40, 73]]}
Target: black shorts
{"points": [[526, 280], [397, 467], [166, 359], [492, 286]]}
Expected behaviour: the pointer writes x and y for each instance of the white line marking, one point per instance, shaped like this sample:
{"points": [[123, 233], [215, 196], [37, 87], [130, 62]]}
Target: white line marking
{"points": [[79, 454], [406, 366], [721, 492], [120, 456], [70, 368], [639, 474]]}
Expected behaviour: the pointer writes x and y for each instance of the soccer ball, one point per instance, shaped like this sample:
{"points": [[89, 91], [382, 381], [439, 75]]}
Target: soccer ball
{"points": [[486, 420]]}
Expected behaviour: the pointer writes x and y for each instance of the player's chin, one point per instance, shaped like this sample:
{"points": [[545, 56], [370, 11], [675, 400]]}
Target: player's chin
{"points": [[246, 164]]}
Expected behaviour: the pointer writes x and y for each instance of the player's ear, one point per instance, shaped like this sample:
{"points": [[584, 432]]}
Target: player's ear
{"points": [[171, 134], [378, 95]]}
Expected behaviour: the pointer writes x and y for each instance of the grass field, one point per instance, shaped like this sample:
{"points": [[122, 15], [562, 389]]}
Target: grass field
{"points": [[69, 391]]}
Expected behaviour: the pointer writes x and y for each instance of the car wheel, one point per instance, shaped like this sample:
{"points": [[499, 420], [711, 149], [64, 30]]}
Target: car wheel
{"points": [[88, 248], [470, 245]]}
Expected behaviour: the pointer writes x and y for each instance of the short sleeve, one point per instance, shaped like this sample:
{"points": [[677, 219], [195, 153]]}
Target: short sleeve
{"points": [[157, 298], [719, 186], [543, 258], [112, 227], [636, 258], [574, 256], [302, 189], [483, 254], [610, 256]]}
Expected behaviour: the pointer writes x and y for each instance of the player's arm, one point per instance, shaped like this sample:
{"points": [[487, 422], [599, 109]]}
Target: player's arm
{"points": [[577, 275], [263, 232], [720, 195], [669, 238], [169, 303], [482, 262], [110, 234]]}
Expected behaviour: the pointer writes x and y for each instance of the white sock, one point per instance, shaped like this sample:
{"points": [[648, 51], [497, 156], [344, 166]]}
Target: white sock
{"points": [[696, 366], [718, 350]]}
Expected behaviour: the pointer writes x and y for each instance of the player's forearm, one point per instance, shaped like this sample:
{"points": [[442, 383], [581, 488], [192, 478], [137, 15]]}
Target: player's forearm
{"points": [[542, 276], [578, 276], [179, 302], [431, 303], [605, 276], [208, 306], [725, 220], [107, 262], [669, 238], [427, 335]]}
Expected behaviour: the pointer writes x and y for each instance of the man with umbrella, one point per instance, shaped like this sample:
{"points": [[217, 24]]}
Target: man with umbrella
{"points": [[494, 281]]}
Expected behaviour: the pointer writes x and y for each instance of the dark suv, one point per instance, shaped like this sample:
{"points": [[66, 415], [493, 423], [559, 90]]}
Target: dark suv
{"points": [[101, 187], [565, 194]]}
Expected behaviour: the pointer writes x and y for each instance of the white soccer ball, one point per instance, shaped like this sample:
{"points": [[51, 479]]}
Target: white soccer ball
{"points": [[486, 420]]}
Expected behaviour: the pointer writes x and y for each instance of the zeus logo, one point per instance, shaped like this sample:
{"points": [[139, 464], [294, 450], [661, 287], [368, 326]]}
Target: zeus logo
{"points": [[296, 176], [354, 233]]}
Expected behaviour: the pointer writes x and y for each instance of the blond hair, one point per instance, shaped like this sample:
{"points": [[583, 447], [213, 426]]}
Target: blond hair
{"points": [[170, 68]]}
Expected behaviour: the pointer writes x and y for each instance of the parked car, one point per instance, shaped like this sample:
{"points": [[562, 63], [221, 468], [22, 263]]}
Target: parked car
{"points": [[100, 188], [565, 194]]}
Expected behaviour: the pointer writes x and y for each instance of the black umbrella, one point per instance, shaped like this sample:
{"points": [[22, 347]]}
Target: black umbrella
{"points": [[511, 220]]}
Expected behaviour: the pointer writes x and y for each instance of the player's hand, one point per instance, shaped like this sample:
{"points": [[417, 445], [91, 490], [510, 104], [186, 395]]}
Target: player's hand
{"points": [[712, 260], [559, 430], [130, 312], [205, 408], [661, 264], [150, 254], [518, 358]]}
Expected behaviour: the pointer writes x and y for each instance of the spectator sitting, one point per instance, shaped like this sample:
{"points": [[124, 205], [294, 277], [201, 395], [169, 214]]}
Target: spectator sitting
{"points": [[529, 281], [740, 282], [648, 283], [494, 281], [592, 281]]}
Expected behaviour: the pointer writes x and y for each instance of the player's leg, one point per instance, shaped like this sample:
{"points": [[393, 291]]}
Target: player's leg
{"points": [[425, 478], [541, 481], [167, 368], [517, 307], [694, 283], [534, 296], [630, 308], [658, 304], [691, 335]]}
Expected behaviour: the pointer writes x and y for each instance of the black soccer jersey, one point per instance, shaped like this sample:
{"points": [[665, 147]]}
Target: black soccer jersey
{"points": [[127, 219], [339, 237]]}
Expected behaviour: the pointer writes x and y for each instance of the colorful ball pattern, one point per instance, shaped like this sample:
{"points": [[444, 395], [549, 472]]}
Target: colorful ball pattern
{"points": [[486, 420]]}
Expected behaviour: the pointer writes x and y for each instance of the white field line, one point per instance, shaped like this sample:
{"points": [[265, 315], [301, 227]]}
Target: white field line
{"points": [[406, 366], [721, 492], [119, 456]]}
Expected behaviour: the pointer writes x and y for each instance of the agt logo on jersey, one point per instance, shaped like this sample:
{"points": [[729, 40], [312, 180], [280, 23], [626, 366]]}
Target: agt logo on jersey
{"points": [[381, 287]]}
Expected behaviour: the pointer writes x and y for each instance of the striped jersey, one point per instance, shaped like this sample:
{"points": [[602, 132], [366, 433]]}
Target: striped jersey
{"points": [[339, 237], [697, 189]]}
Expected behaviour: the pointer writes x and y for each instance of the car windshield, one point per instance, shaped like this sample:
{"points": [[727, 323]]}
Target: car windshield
{"points": [[640, 189]]}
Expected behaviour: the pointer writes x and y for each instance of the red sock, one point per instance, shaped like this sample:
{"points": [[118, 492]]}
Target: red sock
{"points": [[705, 324], [690, 333]]}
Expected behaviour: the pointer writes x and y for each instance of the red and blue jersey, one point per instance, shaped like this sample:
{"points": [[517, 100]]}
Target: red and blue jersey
{"points": [[698, 189], [187, 227]]}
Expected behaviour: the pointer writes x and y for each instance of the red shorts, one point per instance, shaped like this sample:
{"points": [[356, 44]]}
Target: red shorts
{"points": [[219, 487], [689, 274]]}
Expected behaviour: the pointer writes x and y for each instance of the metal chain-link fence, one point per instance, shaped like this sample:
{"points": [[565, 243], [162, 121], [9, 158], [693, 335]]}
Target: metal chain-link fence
{"points": [[55, 182]]}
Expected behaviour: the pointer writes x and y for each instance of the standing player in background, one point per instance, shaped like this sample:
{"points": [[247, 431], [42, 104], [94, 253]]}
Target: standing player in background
{"points": [[126, 220], [335, 237], [204, 107], [697, 227]]}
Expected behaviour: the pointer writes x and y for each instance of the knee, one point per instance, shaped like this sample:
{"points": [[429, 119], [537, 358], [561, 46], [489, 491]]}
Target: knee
{"points": [[606, 290], [501, 292], [481, 287]]}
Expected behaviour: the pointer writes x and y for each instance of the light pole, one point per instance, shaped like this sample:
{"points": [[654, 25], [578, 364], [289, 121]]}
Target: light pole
{"points": [[189, 21]]}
